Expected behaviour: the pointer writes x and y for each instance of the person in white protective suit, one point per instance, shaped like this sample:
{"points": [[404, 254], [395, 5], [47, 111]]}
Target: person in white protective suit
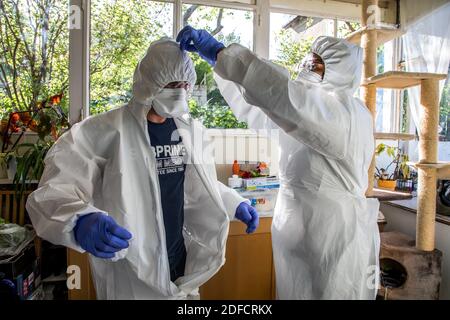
{"points": [[324, 232], [108, 188]]}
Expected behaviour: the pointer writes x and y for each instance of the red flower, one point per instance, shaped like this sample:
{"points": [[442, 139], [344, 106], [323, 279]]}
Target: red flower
{"points": [[15, 117]]}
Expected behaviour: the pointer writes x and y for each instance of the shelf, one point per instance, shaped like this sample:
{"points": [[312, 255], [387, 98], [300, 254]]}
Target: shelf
{"points": [[401, 79], [394, 136], [443, 168], [389, 195], [383, 35]]}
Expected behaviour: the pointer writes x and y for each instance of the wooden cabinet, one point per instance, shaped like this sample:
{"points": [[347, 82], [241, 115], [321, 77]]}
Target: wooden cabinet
{"points": [[87, 289], [248, 272]]}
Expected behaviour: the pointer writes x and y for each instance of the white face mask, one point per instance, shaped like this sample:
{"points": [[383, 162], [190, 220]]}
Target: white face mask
{"points": [[171, 103], [310, 76]]}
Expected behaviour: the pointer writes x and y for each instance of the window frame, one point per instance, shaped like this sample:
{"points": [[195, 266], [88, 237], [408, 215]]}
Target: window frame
{"points": [[79, 44]]}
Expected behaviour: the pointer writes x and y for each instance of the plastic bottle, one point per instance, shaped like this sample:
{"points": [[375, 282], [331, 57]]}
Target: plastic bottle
{"points": [[236, 168], [235, 182]]}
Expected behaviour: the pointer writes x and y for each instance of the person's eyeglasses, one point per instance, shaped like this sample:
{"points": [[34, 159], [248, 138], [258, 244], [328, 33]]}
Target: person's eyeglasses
{"points": [[178, 85]]}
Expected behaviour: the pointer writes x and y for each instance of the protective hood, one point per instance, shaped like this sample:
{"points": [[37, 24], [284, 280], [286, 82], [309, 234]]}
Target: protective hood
{"points": [[343, 63], [163, 63]]}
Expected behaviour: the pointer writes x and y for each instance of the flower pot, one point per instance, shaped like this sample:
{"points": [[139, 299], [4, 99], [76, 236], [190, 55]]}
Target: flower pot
{"points": [[12, 168], [387, 184]]}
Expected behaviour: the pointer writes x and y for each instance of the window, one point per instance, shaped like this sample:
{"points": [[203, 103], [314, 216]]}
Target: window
{"points": [[392, 112], [228, 26], [444, 116], [291, 36], [344, 28], [286, 47], [34, 55], [121, 32]]}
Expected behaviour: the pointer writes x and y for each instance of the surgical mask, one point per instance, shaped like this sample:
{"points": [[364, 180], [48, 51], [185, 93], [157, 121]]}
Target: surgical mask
{"points": [[310, 76], [171, 103]]}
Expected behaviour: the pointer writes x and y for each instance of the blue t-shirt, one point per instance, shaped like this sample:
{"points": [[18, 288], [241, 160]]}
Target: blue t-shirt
{"points": [[169, 151]]}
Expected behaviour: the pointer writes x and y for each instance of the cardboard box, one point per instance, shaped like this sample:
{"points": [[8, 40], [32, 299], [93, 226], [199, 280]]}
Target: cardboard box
{"points": [[261, 183]]}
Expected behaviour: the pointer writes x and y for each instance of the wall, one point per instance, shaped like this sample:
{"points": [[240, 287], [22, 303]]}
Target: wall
{"points": [[405, 222]]}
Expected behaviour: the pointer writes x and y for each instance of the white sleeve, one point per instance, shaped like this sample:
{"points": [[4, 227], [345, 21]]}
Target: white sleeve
{"points": [[66, 189], [307, 114]]}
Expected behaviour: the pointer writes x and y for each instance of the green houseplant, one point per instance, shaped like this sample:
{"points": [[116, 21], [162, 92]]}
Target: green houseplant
{"points": [[401, 170], [30, 165]]}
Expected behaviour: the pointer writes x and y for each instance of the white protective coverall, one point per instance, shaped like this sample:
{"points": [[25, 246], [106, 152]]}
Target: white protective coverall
{"points": [[324, 231], [105, 164]]}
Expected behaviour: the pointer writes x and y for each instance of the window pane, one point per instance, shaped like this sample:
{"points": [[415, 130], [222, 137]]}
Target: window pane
{"points": [[121, 32], [444, 116], [280, 37], [34, 63], [228, 26], [344, 28], [291, 37]]}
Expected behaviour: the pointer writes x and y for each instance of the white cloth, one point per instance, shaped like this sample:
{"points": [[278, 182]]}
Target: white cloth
{"points": [[427, 49], [324, 232], [105, 164]]}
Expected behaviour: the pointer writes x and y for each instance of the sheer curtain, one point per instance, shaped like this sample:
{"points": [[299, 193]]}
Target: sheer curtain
{"points": [[427, 49]]}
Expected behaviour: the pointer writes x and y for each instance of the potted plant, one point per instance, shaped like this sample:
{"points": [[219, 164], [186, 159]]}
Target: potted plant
{"points": [[49, 122], [30, 165], [400, 160], [7, 165], [3, 166]]}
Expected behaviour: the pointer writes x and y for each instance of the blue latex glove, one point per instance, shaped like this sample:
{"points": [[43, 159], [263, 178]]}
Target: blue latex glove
{"points": [[100, 235], [247, 214], [200, 41]]}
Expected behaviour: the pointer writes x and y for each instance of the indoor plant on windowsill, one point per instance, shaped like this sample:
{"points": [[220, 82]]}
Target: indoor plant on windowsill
{"points": [[49, 122], [388, 180]]}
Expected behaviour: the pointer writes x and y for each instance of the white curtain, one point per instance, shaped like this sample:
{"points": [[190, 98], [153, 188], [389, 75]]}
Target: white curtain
{"points": [[427, 49]]}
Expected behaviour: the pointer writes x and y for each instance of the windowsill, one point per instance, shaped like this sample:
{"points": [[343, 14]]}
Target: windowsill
{"points": [[232, 132], [9, 181], [410, 205], [27, 133]]}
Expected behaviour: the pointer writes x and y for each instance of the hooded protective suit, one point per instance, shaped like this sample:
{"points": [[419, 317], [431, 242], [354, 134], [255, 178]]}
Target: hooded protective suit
{"points": [[325, 233], [105, 164]]}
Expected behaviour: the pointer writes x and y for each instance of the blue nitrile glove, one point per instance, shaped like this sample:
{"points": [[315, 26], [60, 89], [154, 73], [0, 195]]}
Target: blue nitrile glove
{"points": [[100, 235], [200, 41], [247, 214]]}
